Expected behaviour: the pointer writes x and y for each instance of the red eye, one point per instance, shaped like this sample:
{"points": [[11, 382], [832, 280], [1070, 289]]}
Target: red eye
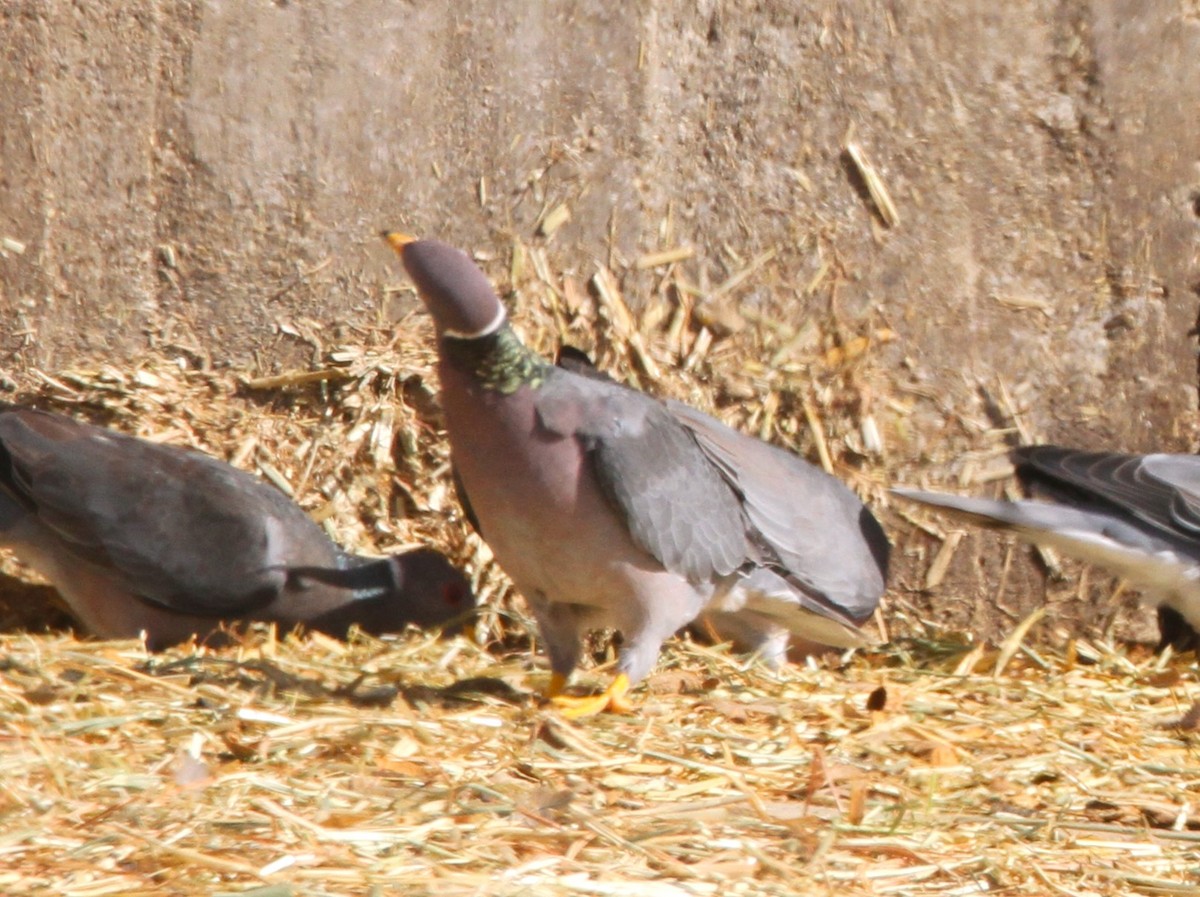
{"points": [[453, 593]]}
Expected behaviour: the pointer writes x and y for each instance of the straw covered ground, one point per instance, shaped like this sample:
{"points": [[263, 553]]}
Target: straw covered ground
{"points": [[423, 765], [427, 767]]}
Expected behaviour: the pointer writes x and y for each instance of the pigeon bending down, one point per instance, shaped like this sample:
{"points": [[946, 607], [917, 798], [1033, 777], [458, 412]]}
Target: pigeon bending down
{"points": [[609, 508], [1137, 515], [141, 537]]}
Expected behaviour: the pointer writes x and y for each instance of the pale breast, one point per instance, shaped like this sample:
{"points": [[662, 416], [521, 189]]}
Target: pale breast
{"points": [[540, 511]]}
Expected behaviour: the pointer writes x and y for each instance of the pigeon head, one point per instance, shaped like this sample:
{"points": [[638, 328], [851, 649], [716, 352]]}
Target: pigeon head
{"points": [[459, 297], [419, 587], [432, 590]]}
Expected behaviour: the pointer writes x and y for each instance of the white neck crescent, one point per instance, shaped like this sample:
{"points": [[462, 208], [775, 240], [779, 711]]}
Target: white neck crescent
{"points": [[495, 324]]}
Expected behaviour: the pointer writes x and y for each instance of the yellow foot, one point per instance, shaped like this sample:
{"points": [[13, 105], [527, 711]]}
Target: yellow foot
{"points": [[558, 684], [611, 699]]}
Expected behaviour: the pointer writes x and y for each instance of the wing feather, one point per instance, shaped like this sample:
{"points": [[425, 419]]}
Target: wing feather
{"points": [[1160, 490], [677, 505], [825, 539]]}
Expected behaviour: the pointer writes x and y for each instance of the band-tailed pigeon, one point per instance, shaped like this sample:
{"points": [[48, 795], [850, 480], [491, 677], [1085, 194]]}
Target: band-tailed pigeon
{"points": [[142, 537], [745, 629], [1137, 515], [610, 508]]}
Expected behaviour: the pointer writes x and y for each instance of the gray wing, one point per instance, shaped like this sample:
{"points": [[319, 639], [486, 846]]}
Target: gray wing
{"points": [[824, 538], [677, 505], [176, 528], [1041, 521], [1162, 491], [1181, 474], [1146, 556]]}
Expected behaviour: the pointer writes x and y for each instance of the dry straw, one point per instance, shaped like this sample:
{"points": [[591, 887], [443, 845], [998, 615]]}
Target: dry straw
{"points": [[425, 766]]}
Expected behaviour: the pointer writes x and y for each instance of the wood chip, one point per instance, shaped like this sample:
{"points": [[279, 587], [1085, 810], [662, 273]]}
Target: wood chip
{"points": [[665, 257], [554, 219], [875, 185], [941, 561], [624, 326]]}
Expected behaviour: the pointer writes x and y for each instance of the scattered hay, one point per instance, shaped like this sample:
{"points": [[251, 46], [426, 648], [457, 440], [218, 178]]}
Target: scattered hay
{"points": [[427, 767]]}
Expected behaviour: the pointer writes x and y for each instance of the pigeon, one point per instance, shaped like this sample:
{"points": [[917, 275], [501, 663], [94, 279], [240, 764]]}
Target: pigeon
{"points": [[140, 537], [746, 630], [612, 509], [1136, 515]]}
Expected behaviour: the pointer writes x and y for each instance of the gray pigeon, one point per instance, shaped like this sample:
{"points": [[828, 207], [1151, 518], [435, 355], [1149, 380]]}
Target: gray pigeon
{"points": [[141, 537], [612, 509], [1136, 515], [745, 628]]}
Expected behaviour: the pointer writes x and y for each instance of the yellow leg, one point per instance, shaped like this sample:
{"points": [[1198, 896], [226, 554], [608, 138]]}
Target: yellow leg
{"points": [[558, 684], [612, 699]]}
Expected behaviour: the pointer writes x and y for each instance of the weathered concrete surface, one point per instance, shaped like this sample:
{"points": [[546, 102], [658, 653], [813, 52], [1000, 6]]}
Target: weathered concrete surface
{"points": [[174, 168]]}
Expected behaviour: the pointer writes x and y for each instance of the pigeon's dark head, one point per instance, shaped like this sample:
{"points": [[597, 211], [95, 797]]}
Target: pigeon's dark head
{"points": [[459, 297], [432, 590], [418, 587]]}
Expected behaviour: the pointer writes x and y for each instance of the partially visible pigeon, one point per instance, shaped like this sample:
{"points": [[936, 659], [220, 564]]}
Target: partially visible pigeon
{"points": [[1136, 515], [141, 537], [612, 509]]}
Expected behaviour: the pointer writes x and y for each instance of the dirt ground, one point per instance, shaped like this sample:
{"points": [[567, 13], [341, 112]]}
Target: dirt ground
{"points": [[204, 182]]}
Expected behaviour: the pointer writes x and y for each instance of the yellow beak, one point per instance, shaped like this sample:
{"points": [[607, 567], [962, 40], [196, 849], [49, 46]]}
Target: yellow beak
{"points": [[397, 240]]}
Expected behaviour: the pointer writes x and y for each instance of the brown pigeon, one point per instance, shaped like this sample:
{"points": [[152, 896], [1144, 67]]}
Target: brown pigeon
{"points": [[142, 537], [609, 508]]}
